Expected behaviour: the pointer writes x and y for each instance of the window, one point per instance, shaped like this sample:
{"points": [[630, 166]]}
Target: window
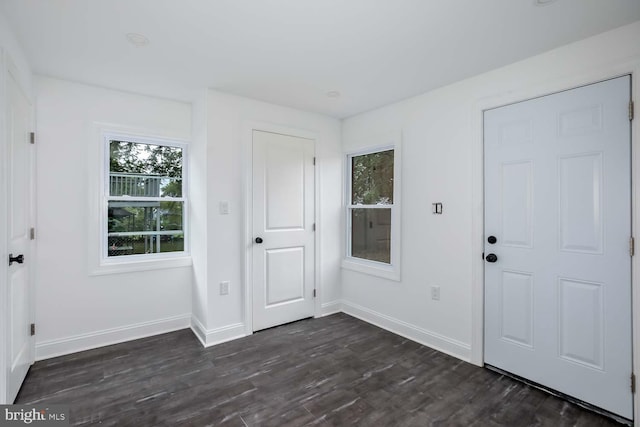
{"points": [[144, 198], [372, 210]]}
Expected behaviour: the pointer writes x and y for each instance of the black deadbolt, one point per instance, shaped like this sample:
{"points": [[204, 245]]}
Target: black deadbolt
{"points": [[491, 258], [492, 239], [258, 239]]}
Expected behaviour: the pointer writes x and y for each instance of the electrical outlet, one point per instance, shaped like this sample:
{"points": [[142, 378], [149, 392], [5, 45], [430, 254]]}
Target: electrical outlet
{"points": [[224, 288], [223, 206], [435, 293]]}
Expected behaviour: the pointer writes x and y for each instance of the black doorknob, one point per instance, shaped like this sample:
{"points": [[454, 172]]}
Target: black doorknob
{"points": [[492, 239], [491, 258], [258, 239], [19, 259]]}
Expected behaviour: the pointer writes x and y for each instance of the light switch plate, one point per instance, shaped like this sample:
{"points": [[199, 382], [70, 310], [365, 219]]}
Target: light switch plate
{"points": [[435, 293], [224, 288], [224, 207]]}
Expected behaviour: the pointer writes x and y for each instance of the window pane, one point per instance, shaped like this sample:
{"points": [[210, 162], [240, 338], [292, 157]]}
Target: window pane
{"points": [[144, 244], [372, 178], [144, 170], [127, 217], [371, 234]]}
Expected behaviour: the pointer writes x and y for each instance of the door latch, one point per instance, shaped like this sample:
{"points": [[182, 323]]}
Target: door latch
{"points": [[19, 259]]}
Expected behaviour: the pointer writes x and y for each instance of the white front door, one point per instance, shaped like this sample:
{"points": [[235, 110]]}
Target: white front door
{"points": [[283, 229], [20, 348], [558, 276]]}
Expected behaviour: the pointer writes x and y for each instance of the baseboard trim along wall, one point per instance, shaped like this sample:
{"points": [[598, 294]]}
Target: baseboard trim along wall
{"points": [[430, 339], [209, 337], [76, 343], [329, 308], [199, 330]]}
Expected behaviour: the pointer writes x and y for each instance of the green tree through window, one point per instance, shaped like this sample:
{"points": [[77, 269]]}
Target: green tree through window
{"points": [[372, 178]]}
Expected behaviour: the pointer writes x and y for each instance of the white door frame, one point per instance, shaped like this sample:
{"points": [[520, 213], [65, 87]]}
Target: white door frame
{"points": [[477, 185], [3, 230], [247, 155], [7, 66]]}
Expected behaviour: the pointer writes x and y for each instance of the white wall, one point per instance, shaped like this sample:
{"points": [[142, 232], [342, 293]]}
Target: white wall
{"points": [[75, 310], [198, 212], [442, 158], [11, 56], [78, 310], [10, 46], [228, 120]]}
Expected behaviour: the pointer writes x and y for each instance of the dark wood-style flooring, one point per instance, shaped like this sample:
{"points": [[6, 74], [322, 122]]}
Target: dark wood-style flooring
{"points": [[333, 371]]}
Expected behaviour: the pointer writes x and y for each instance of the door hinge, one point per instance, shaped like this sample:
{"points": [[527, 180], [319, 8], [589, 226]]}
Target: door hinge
{"points": [[632, 246], [314, 293], [33, 329], [32, 233], [482, 255], [633, 383], [631, 110], [32, 137], [314, 161], [314, 226]]}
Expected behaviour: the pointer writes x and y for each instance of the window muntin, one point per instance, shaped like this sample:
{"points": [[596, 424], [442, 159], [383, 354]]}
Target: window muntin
{"points": [[371, 208], [144, 200]]}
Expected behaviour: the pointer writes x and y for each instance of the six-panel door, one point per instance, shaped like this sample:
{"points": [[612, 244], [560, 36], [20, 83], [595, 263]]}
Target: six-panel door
{"points": [[557, 198]]}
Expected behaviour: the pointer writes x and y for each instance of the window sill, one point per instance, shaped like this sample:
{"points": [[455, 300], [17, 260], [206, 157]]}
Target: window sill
{"points": [[129, 266], [372, 268]]}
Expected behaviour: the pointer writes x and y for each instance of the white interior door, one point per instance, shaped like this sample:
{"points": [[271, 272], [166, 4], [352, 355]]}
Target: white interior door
{"points": [[20, 346], [283, 229], [558, 202]]}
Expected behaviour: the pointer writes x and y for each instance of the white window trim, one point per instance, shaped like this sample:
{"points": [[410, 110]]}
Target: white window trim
{"points": [[374, 268], [99, 263]]}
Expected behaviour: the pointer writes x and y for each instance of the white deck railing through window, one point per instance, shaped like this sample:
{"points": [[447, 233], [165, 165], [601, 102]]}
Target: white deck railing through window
{"points": [[138, 185]]}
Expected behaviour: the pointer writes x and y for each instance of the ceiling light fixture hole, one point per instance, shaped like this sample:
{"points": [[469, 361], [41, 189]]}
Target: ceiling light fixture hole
{"points": [[137, 40], [543, 2]]}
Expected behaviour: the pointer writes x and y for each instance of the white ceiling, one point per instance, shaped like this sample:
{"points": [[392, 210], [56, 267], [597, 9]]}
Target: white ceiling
{"points": [[291, 52]]}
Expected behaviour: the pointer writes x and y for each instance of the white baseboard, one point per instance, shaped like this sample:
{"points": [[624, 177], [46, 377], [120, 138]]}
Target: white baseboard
{"points": [[199, 330], [329, 308], [436, 341], [209, 337], [82, 342]]}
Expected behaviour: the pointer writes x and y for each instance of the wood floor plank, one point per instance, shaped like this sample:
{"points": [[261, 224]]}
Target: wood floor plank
{"points": [[333, 371]]}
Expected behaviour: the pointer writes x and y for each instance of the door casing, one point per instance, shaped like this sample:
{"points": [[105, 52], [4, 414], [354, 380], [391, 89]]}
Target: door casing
{"points": [[3, 232], [247, 156], [477, 185]]}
